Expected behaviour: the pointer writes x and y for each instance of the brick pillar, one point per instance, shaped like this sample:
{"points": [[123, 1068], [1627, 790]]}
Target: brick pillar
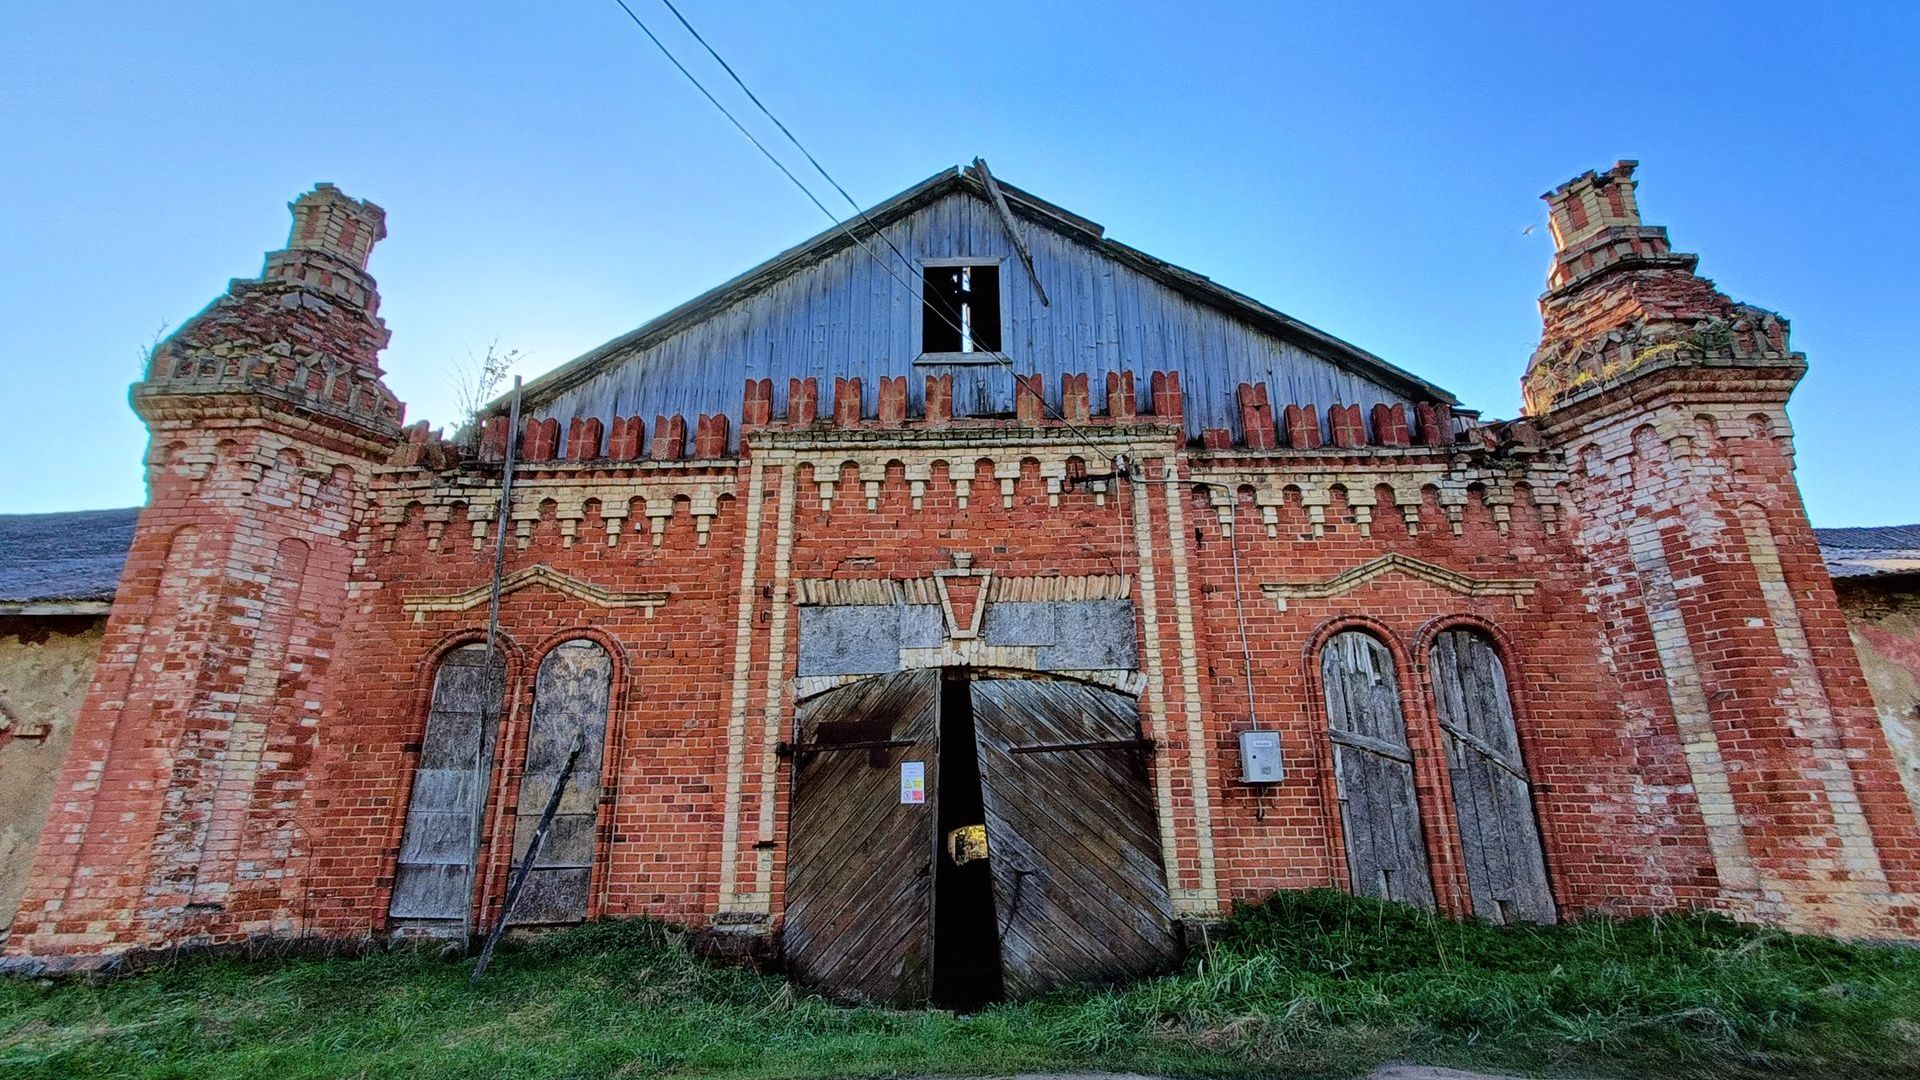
{"points": [[1029, 398], [1120, 403], [939, 399], [1668, 400], [181, 811]]}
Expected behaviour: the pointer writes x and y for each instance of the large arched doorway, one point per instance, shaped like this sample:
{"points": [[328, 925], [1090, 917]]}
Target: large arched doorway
{"points": [[959, 836]]}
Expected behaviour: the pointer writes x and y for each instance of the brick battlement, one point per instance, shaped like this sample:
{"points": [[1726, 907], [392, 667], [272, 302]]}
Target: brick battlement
{"points": [[1163, 404]]}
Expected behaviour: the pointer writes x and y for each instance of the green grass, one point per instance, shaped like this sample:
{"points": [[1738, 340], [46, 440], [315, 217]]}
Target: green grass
{"points": [[1314, 982]]}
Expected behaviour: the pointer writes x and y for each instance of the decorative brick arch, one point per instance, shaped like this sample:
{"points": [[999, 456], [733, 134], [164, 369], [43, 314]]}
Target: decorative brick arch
{"points": [[420, 707], [497, 848], [1431, 787], [1519, 702]]}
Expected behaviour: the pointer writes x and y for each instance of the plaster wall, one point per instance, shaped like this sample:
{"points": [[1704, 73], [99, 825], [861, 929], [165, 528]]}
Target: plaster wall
{"points": [[45, 663], [1883, 618]]}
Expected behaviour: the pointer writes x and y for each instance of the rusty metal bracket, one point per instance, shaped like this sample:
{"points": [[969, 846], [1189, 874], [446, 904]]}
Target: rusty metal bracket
{"points": [[793, 750]]}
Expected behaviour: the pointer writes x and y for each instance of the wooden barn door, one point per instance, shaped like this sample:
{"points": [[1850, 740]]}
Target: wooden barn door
{"points": [[569, 703], [1373, 771], [860, 856], [1078, 886], [432, 878], [1492, 797]]}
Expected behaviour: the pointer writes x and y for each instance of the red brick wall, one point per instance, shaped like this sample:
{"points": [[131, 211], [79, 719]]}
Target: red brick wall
{"points": [[206, 844], [1817, 805]]}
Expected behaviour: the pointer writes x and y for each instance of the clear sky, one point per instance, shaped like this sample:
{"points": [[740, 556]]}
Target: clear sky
{"points": [[550, 182]]}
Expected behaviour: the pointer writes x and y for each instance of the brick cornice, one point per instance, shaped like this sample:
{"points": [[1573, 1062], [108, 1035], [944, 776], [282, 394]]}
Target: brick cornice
{"points": [[163, 407], [960, 435], [1714, 379]]}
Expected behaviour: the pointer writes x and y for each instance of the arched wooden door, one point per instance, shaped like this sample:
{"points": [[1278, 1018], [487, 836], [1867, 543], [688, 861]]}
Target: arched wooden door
{"points": [[1373, 771], [860, 851], [1079, 889], [1492, 796], [432, 878], [570, 698]]}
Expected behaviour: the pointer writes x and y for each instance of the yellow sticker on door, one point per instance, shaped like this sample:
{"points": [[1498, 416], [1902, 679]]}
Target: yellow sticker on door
{"points": [[913, 783]]}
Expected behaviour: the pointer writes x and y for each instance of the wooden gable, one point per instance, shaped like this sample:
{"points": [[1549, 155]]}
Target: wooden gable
{"points": [[834, 307]]}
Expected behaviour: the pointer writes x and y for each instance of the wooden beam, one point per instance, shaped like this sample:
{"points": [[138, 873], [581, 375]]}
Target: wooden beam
{"points": [[1013, 228]]}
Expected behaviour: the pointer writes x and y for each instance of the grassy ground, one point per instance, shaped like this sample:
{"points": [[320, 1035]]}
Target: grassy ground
{"points": [[1313, 982]]}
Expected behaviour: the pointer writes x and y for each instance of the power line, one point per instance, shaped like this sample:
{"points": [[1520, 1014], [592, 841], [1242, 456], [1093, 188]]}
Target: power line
{"points": [[995, 354], [1113, 461], [742, 128], [755, 98]]}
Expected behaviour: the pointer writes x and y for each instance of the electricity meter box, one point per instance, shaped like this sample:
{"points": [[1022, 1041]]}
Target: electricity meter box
{"points": [[1260, 758]]}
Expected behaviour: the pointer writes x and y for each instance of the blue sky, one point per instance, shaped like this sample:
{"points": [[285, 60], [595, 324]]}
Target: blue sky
{"points": [[550, 182]]}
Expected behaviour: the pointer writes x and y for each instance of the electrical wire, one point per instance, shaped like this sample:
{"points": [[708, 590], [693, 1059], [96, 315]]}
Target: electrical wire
{"points": [[994, 354], [1112, 460], [797, 144]]}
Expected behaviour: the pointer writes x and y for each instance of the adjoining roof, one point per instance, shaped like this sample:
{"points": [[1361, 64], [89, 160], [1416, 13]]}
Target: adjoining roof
{"points": [[1865, 552], [1195, 286], [70, 563], [63, 563]]}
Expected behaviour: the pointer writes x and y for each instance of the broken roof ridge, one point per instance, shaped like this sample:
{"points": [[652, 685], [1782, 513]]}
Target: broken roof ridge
{"points": [[870, 222]]}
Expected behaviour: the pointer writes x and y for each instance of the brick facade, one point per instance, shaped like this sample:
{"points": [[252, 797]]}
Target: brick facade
{"points": [[1690, 710]]}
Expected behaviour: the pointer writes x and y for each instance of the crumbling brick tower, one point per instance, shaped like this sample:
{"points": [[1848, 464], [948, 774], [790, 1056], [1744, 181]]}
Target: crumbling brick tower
{"points": [[1716, 611], [185, 782]]}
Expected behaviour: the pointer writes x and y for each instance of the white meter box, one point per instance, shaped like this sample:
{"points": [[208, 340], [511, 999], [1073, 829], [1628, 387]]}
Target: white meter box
{"points": [[1260, 758]]}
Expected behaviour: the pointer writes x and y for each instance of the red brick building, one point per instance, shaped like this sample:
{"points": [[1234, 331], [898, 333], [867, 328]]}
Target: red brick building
{"points": [[971, 515]]}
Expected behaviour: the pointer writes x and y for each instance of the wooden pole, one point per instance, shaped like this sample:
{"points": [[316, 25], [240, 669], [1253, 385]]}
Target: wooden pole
{"points": [[533, 852], [1013, 228], [496, 673]]}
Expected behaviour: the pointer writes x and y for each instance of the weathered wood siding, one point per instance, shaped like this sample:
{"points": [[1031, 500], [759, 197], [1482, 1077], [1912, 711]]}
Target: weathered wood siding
{"points": [[848, 317], [1078, 884], [1492, 797], [432, 879], [859, 918], [569, 702], [1373, 770]]}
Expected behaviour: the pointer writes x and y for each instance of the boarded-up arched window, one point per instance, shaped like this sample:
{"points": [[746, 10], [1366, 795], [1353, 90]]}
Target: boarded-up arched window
{"points": [[1506, 873], [1373, 771], [432, 879], [569, 704]]}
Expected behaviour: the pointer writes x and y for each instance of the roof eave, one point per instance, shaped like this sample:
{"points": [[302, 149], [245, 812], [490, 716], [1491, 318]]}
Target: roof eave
{"points": [[55, 607], [814, 248], [1188, 283]]}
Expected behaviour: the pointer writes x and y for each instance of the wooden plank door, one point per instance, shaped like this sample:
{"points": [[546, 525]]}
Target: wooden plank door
{"points": [[569, 702], [1373, 771], [1492, 796], [1078, 885], [432, 878], [860, 860]]}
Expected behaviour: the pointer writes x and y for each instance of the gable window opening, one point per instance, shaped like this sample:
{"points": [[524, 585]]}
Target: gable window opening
{"points": [[960, 309]]}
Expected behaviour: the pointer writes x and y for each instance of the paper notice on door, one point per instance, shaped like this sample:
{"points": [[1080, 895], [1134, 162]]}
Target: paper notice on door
{"points": [[913, 783]]}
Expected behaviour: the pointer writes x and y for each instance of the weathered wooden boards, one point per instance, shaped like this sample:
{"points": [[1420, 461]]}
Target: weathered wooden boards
{"points": [[1506, 873], [1079, 894], [859, 860], [569, 702], [850, 315], [1078, 885], [432, 879], [1373, 771]]}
